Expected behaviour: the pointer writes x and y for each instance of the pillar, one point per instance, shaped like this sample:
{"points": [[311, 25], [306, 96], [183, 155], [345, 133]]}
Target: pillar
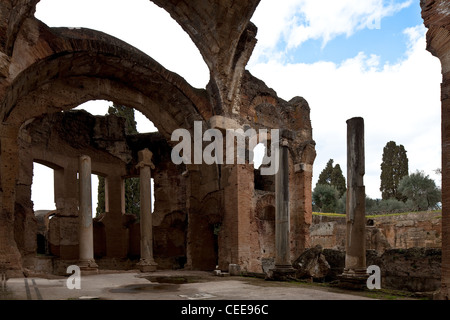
{"points": [[63, 235], [283, 266], [86, 232], [236, 239], [116, 240], [355, 248], [146, 263], [301, 200], [9, 171]]}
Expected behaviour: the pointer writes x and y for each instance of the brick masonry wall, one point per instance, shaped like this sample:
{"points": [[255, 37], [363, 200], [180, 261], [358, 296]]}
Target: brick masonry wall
{"points": [[406, 247], [397, 231]]}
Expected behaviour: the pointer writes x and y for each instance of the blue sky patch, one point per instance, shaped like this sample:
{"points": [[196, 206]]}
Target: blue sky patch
{"points": [[388, 42]]}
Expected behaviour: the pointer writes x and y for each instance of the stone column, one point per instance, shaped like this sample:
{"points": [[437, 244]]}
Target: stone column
{"points": [[9, 171], [355, 248], [64, 227], [146, 263], [301, 199], [86, 232], [116, 241], [283, 266]]}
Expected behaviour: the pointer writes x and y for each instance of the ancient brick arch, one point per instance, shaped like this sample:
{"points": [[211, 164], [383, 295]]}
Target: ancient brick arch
{"points": [[82, 65], [47, 70]]}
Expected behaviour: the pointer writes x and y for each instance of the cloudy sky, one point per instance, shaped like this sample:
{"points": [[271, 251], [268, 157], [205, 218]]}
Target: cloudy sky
{"points": [[347, 58]]}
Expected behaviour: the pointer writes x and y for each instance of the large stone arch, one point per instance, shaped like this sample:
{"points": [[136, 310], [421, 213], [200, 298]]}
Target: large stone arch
{"points": [[66, 67], [49, 70], [55, 69], [221, 30]]}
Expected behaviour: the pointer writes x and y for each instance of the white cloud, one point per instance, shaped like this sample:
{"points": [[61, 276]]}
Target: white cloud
{"points": [[142, 24], [399, 102], [300, 20]]}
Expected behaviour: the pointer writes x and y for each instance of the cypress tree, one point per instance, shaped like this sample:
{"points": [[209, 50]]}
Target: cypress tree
{"points": [[338, 180], [100, 196], [332, 176], [325, 175], [394, 167]]}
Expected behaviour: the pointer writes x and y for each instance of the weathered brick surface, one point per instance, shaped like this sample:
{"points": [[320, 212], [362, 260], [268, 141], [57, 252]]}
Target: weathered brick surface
{"points": [[404, 231], [204, 215]]}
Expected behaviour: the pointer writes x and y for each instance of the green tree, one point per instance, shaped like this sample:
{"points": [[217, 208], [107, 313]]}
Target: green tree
{"points": [[128, 114], [332, 176], [325, 198], [394, 167], [338, 180], [132, 196], [325, 175], [342, 203], [421, 190], [100, 196]]}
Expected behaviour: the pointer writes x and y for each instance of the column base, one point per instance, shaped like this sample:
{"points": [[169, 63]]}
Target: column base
{"points": [[355, 279], [88, 267], [146, 265], [282, 273]]}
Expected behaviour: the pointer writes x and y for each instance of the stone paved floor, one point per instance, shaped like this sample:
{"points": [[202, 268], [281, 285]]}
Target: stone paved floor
{"points": [[168, 285]]}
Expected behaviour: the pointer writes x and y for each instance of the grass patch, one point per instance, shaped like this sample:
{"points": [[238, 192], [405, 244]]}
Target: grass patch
{"points": [[372, 216], [380, 294], [340, 215], [390, 294]]}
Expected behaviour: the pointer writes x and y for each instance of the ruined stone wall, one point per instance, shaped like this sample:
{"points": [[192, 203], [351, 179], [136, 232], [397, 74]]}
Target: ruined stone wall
{"points": [[261, 108], [406, 247], [413, 269], [115, 235], [404, 231], [44, 71]]}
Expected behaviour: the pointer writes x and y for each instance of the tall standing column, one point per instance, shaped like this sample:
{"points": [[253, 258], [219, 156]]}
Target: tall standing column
{"points": [[355, 248], [116, 242], [146, 263], [86, 232], [9, 172], [283, 266]]}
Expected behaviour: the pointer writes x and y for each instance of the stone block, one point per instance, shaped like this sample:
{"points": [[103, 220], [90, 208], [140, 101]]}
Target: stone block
{"points": [[234, 269]]}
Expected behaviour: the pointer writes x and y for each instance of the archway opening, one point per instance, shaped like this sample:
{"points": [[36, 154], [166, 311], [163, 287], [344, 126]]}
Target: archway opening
{"points": [[42, 188], [262, 182]]}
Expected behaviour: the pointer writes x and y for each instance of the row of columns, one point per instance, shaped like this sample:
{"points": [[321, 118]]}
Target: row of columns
{"points": [[86, 237]]}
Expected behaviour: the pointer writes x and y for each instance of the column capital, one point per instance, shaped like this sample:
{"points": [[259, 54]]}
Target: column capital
{"points": [[145, 159], [284, 142], [303, 167]]}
